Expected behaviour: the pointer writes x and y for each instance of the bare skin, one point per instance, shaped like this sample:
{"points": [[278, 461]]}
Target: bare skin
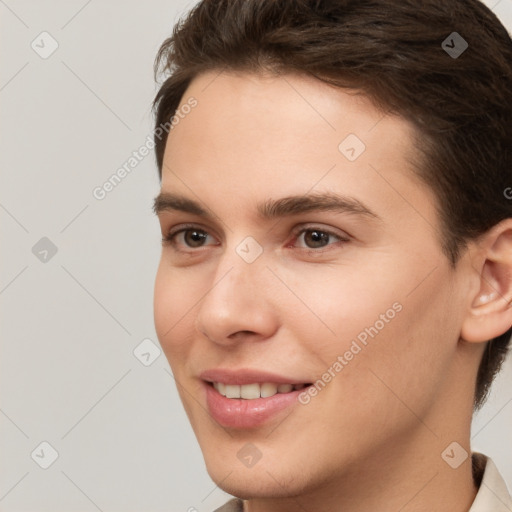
{"points": [[373, 437]]}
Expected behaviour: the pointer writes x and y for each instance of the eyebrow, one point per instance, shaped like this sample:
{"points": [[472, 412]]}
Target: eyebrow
{"points": [[273, 208]]}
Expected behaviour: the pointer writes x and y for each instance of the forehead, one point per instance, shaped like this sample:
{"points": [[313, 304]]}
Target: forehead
{"points": [[248, 107], [254, 136]]}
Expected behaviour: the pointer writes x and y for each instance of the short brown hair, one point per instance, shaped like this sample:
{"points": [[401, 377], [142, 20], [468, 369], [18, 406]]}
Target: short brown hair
{"points": [[392, 51]]}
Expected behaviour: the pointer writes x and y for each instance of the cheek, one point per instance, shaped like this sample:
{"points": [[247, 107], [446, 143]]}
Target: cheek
{"points": [[408, 361], [377, 325], [174, 299], [333, 306]]}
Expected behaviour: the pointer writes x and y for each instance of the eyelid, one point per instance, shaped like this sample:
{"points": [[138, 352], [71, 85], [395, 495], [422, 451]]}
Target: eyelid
{"points": [[169, 238], [342, 235], [342, 238]]}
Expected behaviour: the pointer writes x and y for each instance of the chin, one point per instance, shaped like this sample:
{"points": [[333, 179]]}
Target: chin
{"points": [[254, 487], [264, 480]]}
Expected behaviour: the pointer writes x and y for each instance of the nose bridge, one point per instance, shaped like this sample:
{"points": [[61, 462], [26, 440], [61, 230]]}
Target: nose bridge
{"points": [[238, 299], [236, 281], [241, 268]]}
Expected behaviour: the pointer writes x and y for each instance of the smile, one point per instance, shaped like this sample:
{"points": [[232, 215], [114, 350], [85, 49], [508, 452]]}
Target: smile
{"points": [[249, 405], [255, 390]]}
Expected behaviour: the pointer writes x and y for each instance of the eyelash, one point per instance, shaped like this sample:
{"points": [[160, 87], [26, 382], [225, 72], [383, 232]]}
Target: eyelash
{"points": [[170, 238], [302, 230]]}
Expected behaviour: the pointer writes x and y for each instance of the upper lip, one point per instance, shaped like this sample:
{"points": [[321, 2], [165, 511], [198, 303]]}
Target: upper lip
{"points": [[246, 376]]}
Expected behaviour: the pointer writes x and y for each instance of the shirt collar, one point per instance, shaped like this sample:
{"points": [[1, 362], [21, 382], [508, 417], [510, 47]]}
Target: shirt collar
{"points": [[492, 495]]}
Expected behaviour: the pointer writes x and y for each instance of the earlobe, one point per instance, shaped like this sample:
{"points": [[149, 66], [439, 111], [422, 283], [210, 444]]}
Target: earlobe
{"points": [[490, 312]]}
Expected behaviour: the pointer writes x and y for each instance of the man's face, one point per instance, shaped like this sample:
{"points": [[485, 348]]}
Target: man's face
{"points": [[302, 258]]}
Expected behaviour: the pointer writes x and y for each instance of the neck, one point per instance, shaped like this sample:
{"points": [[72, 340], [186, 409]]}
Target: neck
{"points": [[409, 477]]}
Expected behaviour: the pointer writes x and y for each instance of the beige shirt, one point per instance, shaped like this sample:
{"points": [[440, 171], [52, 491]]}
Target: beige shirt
{"points": [[492, 496]]}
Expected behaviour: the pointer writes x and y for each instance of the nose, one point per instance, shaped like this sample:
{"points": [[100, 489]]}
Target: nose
{"points": [[238, 304]]}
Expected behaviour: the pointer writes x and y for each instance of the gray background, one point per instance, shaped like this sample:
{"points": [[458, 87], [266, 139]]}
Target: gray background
{"points": [[70, 323]]}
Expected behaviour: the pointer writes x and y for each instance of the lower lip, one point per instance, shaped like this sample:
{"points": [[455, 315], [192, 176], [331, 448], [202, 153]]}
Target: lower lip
{"points": [[241, 413]]}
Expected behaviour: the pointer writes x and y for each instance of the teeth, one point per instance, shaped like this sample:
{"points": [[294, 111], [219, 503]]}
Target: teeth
{"points": [[232, 391], [253, 391], [250, 391], [220, 387], [268, 389]]}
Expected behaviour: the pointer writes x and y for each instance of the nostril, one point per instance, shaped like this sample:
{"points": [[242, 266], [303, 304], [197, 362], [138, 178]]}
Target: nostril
{"points": [[239, 334], [205, 335]]}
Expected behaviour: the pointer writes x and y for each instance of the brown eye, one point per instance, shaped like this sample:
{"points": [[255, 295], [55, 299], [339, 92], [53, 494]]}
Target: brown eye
{"points": [[187, 238], [314, 238], [194, 237], [317, 238]]}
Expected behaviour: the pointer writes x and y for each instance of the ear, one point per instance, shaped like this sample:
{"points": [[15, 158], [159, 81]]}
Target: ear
{"points": [[490, 312]]}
